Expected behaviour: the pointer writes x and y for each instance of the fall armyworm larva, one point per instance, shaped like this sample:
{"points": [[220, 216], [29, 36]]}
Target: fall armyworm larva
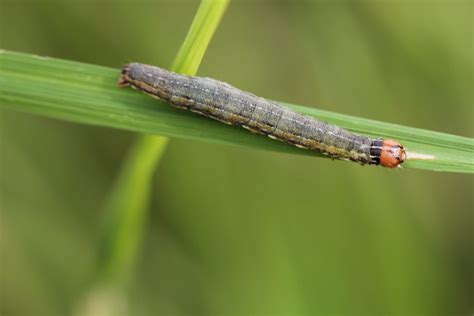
{"points": [[220, 101]]}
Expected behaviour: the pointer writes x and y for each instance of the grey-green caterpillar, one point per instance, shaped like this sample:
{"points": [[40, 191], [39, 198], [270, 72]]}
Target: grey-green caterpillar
{"points": [[225, 103]]}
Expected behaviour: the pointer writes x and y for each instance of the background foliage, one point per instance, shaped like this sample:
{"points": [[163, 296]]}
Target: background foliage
{"points": [[237, 231]]}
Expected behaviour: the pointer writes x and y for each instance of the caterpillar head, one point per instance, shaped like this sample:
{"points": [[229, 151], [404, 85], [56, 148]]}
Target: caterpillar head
{"points": [[392, 154]]}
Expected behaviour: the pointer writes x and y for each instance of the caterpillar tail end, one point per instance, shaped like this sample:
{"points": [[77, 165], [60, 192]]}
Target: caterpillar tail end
{"points": [[123, 79]]}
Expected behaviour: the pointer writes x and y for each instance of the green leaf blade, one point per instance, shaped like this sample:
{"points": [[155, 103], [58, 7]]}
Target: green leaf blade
{"points": [[88, 94]]}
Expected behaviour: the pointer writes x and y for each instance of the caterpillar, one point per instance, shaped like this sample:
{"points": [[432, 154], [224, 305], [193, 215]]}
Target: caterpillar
{"points": [[225, 103]]}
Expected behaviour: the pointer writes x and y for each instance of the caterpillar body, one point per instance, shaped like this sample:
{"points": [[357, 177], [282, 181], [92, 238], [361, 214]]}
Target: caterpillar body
{"points": [[223, 102]]}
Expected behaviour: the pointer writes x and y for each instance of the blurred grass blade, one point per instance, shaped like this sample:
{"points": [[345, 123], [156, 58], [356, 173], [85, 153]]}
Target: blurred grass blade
{"points": [[202, 29], [127, 208], [87, 94], [130, 197]]}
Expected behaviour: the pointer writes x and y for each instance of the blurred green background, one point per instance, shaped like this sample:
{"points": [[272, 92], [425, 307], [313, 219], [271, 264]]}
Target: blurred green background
{"points": [[235, 231]]}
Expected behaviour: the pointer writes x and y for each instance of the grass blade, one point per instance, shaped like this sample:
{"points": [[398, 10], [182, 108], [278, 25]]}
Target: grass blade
{"points": [[129, 199], [87, 94], [128, 204]]}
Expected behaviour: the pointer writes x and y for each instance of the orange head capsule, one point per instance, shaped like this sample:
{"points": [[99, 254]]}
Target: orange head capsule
{"points": [[387, 153], [392, 154]]}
